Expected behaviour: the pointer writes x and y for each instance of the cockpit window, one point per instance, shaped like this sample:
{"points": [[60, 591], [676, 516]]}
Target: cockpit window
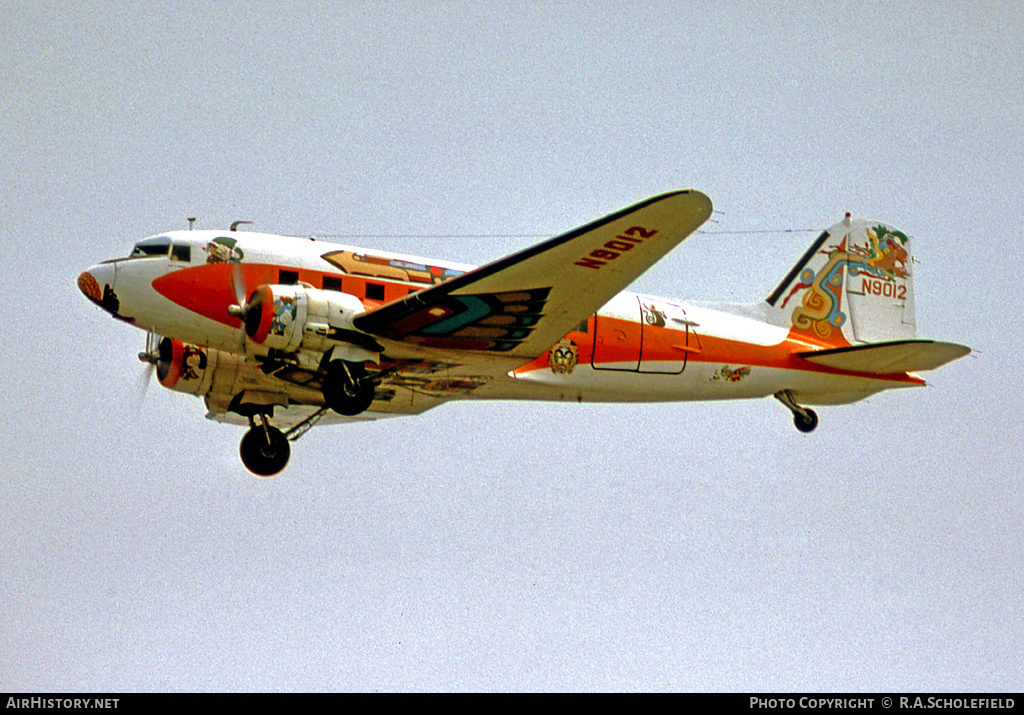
{"points": [[149, 247]]}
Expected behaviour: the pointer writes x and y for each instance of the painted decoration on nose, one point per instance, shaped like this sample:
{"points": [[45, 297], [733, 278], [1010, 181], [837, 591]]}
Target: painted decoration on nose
{"points": [[88, 285]]}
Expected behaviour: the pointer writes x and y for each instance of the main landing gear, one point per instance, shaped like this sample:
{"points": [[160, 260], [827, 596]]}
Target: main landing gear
{"points": [[347, 388], [804, 418], [264, 448]]}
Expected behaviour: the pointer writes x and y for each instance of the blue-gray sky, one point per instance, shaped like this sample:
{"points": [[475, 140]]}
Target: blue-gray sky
{"points": [[495, 546]]}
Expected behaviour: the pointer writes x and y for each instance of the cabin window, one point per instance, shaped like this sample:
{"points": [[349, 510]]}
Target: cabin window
{"points": [[288, 277], [374, 291], [181, 253], [332, 283]]}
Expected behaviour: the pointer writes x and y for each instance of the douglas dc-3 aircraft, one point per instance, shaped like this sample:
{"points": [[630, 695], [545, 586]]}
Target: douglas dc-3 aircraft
{"points": [[281, 333]]}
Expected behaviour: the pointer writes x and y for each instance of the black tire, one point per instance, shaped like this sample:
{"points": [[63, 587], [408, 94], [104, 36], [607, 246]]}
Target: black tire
{"points": [[265, 453], [806, 423], [348, 392]]}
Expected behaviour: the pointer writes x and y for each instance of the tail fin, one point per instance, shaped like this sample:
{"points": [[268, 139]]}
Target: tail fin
{"points": [[853, 285]]}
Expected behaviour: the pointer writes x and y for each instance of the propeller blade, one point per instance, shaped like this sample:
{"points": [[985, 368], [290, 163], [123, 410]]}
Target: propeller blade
{"points": [[150, 356], [142, 384], [238, 284], [241, 307]]}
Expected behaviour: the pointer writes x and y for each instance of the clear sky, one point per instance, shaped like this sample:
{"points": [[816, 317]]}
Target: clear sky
{"points": [[501, 546]]}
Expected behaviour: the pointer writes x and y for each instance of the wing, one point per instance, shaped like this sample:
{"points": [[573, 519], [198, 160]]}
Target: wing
{"points": [[522, 304]]}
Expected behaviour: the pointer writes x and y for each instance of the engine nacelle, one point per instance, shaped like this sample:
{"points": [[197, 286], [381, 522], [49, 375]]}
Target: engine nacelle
{"points": [[188, 368], [221, 377], [290, 317]]}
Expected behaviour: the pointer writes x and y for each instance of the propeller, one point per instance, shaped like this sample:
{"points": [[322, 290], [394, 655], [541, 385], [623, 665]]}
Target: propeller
{"points": [[240, 308], [151, 357]]}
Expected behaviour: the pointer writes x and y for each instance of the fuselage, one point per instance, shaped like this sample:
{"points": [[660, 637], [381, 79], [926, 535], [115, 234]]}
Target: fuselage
{"points": [[637, 348]]}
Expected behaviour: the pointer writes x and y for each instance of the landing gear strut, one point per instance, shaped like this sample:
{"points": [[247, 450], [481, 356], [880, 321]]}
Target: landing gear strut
{"points": [[804, 418], [347, 388], [264, 449]]}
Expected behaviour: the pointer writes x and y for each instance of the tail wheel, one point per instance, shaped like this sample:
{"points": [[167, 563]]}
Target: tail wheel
{"points": [[264, 450], [807, 421], [804, 418], [347, 389]]}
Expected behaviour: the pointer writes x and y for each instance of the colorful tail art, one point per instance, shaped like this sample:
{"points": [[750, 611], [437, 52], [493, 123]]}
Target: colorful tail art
{"points": [[852, 286]]}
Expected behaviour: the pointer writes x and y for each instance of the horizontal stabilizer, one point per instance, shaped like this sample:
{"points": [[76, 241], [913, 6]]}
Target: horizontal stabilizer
{"points": [[889, 357]]}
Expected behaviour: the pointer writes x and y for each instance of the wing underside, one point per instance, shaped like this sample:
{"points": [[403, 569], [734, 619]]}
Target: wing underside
{"points": [[402, 387]]}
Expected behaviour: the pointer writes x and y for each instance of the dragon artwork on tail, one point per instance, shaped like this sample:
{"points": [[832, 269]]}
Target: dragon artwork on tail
{"points": [[884, 257]]}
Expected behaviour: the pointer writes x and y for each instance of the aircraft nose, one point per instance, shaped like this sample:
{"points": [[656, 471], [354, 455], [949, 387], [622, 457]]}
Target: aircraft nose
{"points": [[97, 284]]}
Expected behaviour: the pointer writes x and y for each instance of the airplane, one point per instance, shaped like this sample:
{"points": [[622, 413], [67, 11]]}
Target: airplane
{"points": [[281, 333]]}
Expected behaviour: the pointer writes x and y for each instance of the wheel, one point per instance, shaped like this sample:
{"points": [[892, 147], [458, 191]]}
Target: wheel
{"points": [[347, 390], [264, 452], [806, 422]]}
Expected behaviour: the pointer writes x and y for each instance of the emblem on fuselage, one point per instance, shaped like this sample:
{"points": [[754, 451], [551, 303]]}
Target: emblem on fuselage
{"points": [[223, 250], [731, 374], [652, 315], [360, 264], [563, 357]]}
